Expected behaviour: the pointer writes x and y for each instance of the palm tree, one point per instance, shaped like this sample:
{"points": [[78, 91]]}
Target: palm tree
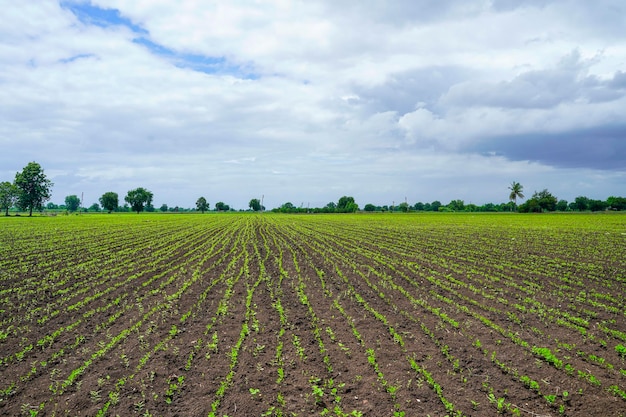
{"points": [[516, 192]]}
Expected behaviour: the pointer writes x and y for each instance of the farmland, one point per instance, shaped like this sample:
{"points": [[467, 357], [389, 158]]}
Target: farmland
{"points": [[337, 315]]}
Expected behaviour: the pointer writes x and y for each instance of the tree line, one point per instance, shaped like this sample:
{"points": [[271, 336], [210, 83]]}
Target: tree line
{"points": [[31, 189]]}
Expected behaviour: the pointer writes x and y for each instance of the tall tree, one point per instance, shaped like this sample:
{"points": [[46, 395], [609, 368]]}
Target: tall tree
{"points": [[8, 196], [202, 205], [109, 201], [72, 202], [255, 204], [343, 203], [138, 199], [517, 190], [34, 188]]}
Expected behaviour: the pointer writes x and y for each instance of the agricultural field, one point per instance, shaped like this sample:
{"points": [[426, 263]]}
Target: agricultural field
{"points": [[302, 315]]}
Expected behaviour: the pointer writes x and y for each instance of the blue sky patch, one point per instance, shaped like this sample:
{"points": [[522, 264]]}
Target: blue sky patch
{"points": [[93, 15], [196, 62]]}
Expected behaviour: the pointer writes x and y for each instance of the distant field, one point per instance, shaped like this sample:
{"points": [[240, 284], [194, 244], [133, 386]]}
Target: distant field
{"points": [[300, 315]]}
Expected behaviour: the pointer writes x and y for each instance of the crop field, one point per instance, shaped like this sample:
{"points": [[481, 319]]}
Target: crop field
{"points": [[302, 315]]}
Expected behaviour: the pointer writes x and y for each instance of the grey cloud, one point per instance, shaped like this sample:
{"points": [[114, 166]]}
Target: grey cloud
{"points": [[403, 91], [601, 148], [618, 81], [539, 88]]}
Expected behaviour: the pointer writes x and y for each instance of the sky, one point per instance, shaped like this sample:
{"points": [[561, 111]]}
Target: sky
{"points": [[308, 101]]}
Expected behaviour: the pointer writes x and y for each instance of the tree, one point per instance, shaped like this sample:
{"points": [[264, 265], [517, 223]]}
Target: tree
{"points": [[163, 208], [597, 205], [581, 203], [220, 206], [545, 200], [403, 207], [330, 207], [352, 208], [34, 188], [616, 203], [456, 205], [201, 205], [434, 206], [109, 201], [8, 196], [288, 207], [72, 202], [517, 190], [138, 198], [561, 205], [369, 207], [342, 204], [94, 207], [255, 204], [540, 201]]}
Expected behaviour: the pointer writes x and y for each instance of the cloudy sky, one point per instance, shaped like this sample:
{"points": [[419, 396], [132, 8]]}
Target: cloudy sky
{"points": [[306, 101]]}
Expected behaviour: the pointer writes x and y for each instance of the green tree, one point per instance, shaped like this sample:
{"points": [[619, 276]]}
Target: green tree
{"points": [[546, 200], [597, 205], [561, 205], [456, 205], [517, 191], [369, 207], [8, 196], [330, 207], [138, 199], [616, 203], [352, 208], [72, 202], [163, 208], [34, 188], [109, 201], [434, 206], [201, 205], [255, 204], [581, 203], [220, 206], [403, 207], [343, 203], [94, 207], [288, 207], [540, 201]]}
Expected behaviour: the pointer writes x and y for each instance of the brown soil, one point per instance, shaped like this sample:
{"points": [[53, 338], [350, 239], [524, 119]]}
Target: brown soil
{"points": [[337, 314]]}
